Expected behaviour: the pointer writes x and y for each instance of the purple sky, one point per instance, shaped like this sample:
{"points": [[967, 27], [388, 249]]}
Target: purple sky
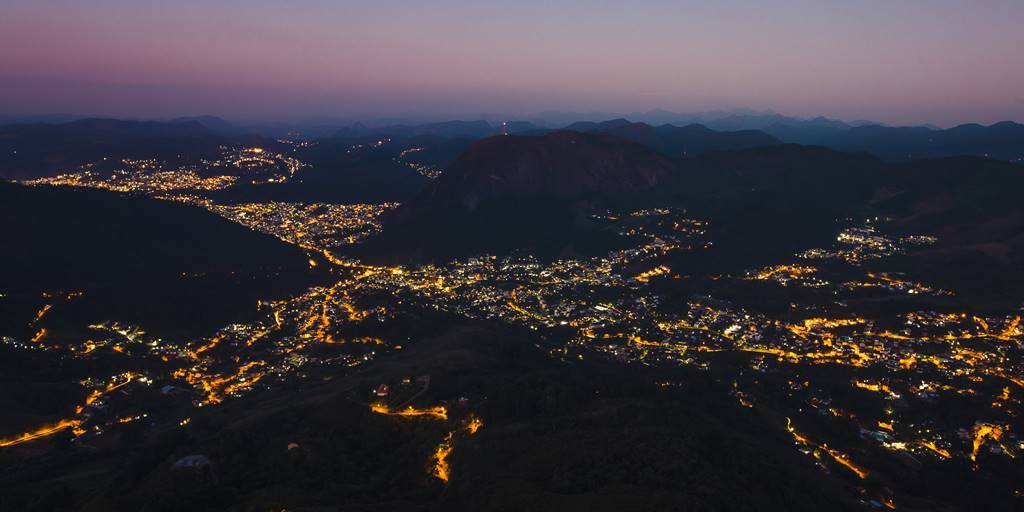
{"points": [[902, 62]]}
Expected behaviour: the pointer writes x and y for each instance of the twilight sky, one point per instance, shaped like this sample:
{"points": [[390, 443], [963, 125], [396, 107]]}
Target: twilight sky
{"points": [[902, 62]]}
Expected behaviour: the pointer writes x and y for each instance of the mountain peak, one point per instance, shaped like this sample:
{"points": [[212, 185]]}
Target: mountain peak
{"points": [[561, 163]]}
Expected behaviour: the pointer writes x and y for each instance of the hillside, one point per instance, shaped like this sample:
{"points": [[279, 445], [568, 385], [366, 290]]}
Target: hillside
{"points": [[538, 193], [34, 150], [141, 253], [562, 164], [336, 175], [554, 436], [973, 207], [517, 192]]}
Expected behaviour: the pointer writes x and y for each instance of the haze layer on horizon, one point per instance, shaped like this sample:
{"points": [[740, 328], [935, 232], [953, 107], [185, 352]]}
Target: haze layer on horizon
{"points": [[917, 61]]}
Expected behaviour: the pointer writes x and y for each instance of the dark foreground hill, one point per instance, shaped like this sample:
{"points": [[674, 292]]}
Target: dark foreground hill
{"points": [[143, 254], [555, 436]]}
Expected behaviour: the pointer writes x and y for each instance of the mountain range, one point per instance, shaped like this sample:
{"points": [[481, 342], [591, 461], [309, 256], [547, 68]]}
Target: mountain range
{"points": [[1000, 141], [692, 136], [49, 145]]}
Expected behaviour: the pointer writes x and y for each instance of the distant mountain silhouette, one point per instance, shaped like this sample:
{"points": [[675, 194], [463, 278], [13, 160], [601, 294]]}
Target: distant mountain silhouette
{"points": [[1001, 141], [214, 124], [603, 126], [439, 144], [722, 120], [679, 142], [463, 129], [762, 121]]}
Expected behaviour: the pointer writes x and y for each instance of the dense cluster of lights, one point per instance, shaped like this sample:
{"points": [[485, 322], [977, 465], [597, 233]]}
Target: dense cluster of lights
{"points": [[153, 177], [923, 355], [309, 225]]}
